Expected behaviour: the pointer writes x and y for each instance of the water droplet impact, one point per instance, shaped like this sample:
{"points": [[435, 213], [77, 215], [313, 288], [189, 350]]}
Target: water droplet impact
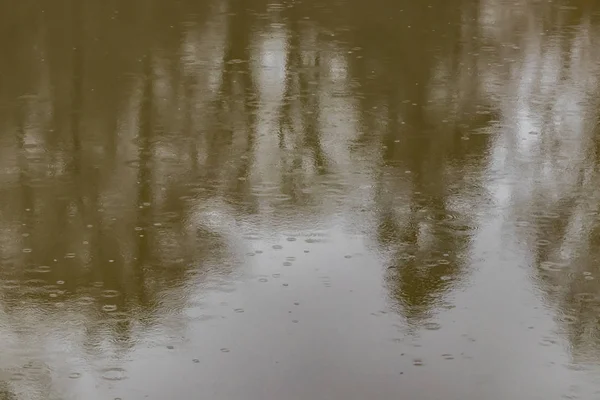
{"points": [[75, 375], [585, 297], [114, 374], [569, 319], [225, 350], [17, 376], [109, 307], [547, 342], [239, 310], [432, 326], [118, 317], [263, 280], [258, 251], [291, 239], [295, 321], [170, 347], [418, 362], [552, 266], [195, 361], [108, 293], [347, 256], [60, 282], [286, 284], [43, 269], [448, 356], [86, 301], [277, 247], [287, 264], [542, 242]]}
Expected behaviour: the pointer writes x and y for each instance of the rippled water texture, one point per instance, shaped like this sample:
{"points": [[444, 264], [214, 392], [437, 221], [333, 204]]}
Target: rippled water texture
{"points": [[295, 200]]}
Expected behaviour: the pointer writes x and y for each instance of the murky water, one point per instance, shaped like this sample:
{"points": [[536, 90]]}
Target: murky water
{"points": [[300, 200]]}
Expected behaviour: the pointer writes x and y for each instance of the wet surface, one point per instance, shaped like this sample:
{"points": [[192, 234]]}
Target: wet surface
{"points": [[300, 200]]}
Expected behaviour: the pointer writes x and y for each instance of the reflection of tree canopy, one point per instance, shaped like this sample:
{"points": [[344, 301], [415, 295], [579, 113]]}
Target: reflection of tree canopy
{"points": [[551, 149], [119, 133]]}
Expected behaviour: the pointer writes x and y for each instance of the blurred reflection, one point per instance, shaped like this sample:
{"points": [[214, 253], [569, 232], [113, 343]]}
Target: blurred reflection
{"points": [[148, 149]]}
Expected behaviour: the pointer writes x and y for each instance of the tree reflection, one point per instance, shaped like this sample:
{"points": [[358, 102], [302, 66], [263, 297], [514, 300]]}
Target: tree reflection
{"points": [[124, 140]]}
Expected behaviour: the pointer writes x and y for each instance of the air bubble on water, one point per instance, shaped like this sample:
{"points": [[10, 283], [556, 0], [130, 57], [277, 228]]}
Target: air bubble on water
{"points": [[170, 347], [277, 247]]}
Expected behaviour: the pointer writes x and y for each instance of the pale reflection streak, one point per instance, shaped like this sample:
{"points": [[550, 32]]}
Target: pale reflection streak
{"points": [[546, 152]]}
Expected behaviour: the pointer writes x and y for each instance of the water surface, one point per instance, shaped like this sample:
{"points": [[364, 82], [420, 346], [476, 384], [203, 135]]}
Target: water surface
{"points": [[300, 200]]}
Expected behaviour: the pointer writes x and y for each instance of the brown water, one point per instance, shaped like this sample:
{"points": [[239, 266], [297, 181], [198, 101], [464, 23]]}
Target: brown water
{"points": [[300, 200]]}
